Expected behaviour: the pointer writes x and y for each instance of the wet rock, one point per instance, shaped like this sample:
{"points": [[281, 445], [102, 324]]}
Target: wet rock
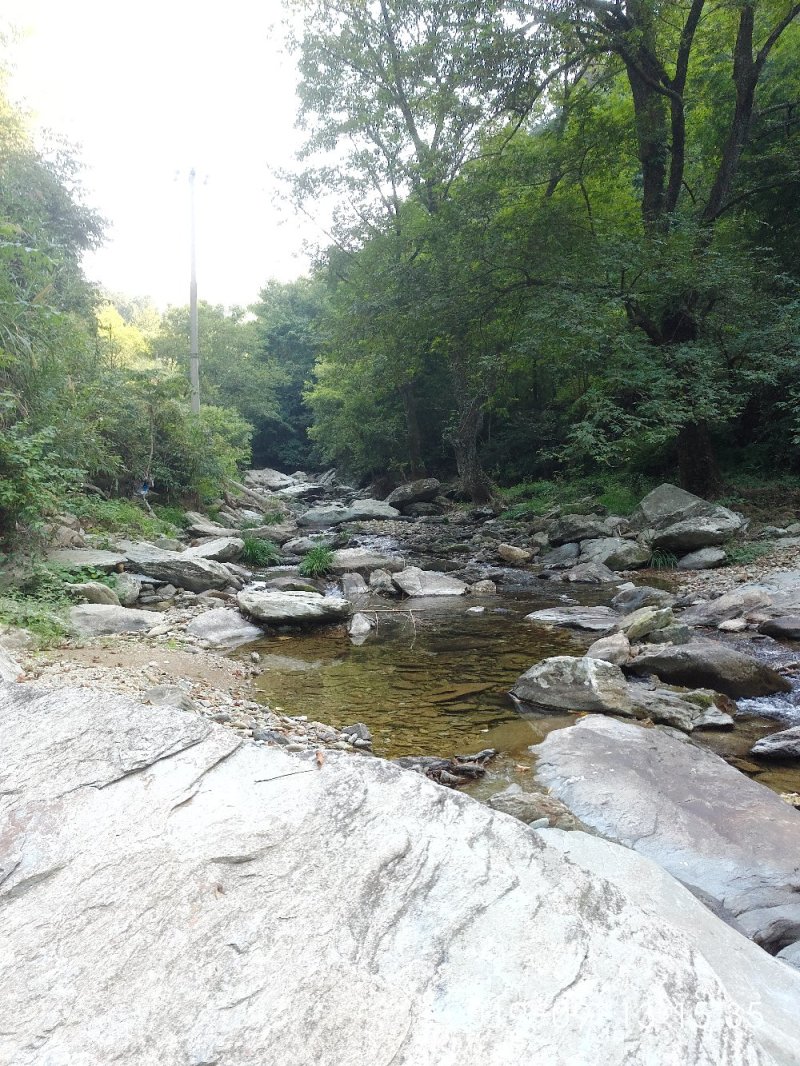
{"points": [[590, 574], [510, 553], [782, 745], [296, 608], [595, 619], [617, 553], [783, 628], [709, 664], [631, 599], [645, 621], [100, 619], [570, 683], [459, 770], [683, 522], [704, 559], [334, 514], [416, 582], [422, 491], [364, 560], [615, 649], [485, 587], [224, 628], [94, 592], [211, 838], [728, 838], [734, 604], [561, 558], [360, 625], [533, 807], [221, 549]]}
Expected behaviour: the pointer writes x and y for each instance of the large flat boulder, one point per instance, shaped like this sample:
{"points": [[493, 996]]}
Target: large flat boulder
{"points": [[709, 664], [414, 581], [361, 560], [570, 528], [728, 838], [782, 745], [87, 558], [421, 491], [176, 568], [573, 683], [201, 526], [224, 628], [100, 619], [220, 549], [593, 619], [683, 522], [276, 607], [173, 894], [736, 604], [334, 514]]}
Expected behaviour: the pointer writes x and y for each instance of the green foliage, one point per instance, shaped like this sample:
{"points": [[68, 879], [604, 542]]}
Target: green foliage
{"points": [[317, 562], [536, 498], [121, 516], [258, 552], [742, 554], [662, 560]]}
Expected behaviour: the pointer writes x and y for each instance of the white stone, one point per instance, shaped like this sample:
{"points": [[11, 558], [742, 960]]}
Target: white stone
{"points": [[416, 582], [100, 619], [225, 628], [297, 608]]}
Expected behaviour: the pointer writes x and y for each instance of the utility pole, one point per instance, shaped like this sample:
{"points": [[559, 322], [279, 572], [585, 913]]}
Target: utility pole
{"points": [[194, 351]]}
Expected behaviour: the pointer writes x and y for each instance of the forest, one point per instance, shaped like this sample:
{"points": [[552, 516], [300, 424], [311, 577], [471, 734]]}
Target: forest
{"points": [[564, 249]]}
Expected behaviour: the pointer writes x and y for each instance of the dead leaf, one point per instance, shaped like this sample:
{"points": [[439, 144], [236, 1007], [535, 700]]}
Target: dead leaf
{"points": [[320, 758]]}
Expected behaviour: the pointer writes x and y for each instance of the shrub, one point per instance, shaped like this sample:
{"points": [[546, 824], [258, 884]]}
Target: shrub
{"points": [[662, 560], [258, 552], [317, 562], [741, 554]]}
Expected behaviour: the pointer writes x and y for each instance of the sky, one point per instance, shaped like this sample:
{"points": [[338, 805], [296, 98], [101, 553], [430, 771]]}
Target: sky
{"points": [[149, 90]]}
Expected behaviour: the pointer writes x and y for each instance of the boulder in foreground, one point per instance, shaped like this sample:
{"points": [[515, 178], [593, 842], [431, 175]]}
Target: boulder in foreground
{"points": [[174, 894]]}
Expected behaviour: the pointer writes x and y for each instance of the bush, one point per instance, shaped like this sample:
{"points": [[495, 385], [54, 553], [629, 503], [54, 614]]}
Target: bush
{"points": [[258, 552], [741, 554], [121, 516], [317, 562]]}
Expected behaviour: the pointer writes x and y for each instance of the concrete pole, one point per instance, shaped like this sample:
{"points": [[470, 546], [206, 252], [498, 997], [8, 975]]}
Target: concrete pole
{"points": [[194, 350]]}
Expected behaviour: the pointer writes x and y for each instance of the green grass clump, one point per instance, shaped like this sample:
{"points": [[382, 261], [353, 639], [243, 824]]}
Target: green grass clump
{"points": [[258, 552], [317, 562], [39, 603], [662, 560], [741, 554], [125, 516], [536, 498]]}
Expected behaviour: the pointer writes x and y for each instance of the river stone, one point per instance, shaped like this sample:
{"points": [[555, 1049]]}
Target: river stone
{"points": [[100, 619], [220, 549], [422, 491], [734, 604], [570, 528], [484, 587], [722, 834], [784, 628], [674, 634], [782, 745], [224, 628], [570, 683], [269, 479], [615, 648], [159, 861], [533, 807], [87, 558], [765, 990], [303, 545], [645, 621], [708, 664], [10, 669], [682, 521], [380, 582], [199, 526], [354, 586], [631, 599], [703, 559], [590, 574], [295, 608], [334, 514], [617, 553], [685, 709], [510, 553], [595, 619], [364, 560], [292, 583], [416, 582], [94, 592], [561, 558], [177, 568], [696, 533], [360, 625]]}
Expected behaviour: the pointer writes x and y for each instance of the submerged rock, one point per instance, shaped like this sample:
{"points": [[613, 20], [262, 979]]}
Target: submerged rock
{"points": [[535, 807]]}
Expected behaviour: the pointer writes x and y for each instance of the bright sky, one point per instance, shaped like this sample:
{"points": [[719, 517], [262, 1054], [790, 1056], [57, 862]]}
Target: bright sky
{"points": [[148, 90]]}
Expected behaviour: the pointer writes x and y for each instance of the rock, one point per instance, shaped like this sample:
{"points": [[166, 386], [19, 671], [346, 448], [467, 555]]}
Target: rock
{"points": [[782, 745], [224, 628], [87, 559], [268, 479], [615, 649], [358, 731], [94, 592], [732, 605], [733, 625], [674, 634], [683, 522], [764, 990], [227, 944], [684, 709], [729, 839], [127, 588], [510, 553], [178, 568], [221, 549], [595, 619], [570, 683], [354, 586], [279, 533], [10, 669], [380, 582], [100, 619], [590, 574], [709, 664], [786, 627], [63, 536], [289, 583], [169, 696], [295, 608], [303, 545], [475, 610], [533, 807], [423, 510], [360, 625], [199, 526], [645, 621], [484, 587], [422, 491], [170, 544], [570, 528], [617, 553], [416, 582], [704, 559], [334, 514], [641, 596], [561, 558], [364, 560]]}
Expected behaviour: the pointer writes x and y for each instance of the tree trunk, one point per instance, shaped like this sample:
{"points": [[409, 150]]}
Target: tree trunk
{"points": [[697, 462], [474, 482], [413, 435]]}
